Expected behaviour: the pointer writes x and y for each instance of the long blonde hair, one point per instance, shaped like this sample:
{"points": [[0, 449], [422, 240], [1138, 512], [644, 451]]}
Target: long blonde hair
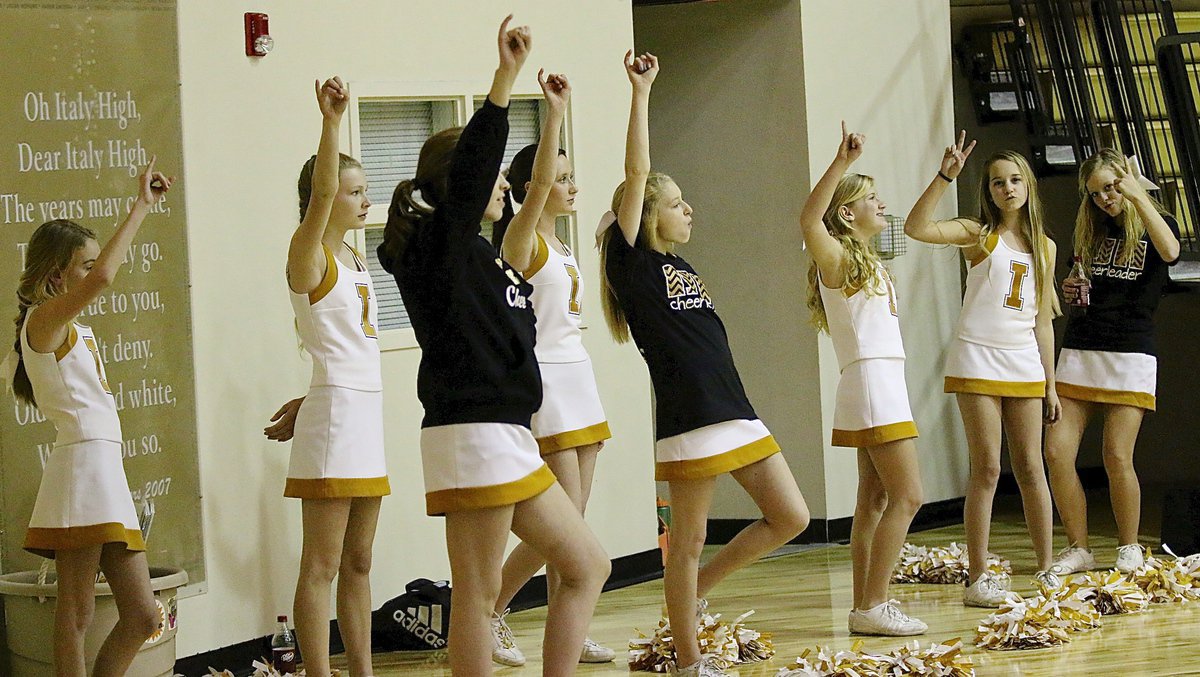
{"points": [[1033, 225], [1089, 231], [861, 261], [51, 249], [647, 239]]}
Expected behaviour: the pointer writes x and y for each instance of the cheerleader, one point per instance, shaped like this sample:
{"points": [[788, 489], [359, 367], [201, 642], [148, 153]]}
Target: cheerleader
{"points": [[704, 423], [337, 465], [853, 300], [84, 517], [1001, 361], [479, 384], [570, 427], [1107, 364]]}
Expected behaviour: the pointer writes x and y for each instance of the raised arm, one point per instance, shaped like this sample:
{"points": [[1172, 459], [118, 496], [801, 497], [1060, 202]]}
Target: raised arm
{"points": [[475, 167], [827, 253], [920, 224], [1164, 241], [520, 241], [641, 72], [306, 260], [47, 326]]}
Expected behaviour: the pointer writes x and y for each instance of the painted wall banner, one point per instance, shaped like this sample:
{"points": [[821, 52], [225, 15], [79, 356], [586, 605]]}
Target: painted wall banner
{"points": [[90, 94]]}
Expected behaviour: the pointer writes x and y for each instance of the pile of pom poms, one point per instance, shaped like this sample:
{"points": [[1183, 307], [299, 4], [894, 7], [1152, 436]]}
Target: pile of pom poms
{"points": [[726, 643], [1052, 617], [264, 668], [943, 565], [939, 660]]}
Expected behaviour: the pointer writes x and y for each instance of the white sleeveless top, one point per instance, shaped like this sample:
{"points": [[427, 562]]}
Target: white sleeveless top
{"points": [[557, 303], [865, 323], [338, 324], [1000, 303], [71, 387]]}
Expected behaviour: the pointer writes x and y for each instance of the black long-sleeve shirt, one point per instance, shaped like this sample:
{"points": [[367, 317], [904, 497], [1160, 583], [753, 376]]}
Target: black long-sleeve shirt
{"points": [[469, 309]]}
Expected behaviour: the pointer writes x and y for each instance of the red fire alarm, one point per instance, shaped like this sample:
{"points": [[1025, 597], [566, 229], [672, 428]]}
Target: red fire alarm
{"points": [[258, 36]]}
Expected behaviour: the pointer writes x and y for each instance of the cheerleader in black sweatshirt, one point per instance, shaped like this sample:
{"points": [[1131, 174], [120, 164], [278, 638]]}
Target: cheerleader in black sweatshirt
{"points": [[479, 384]]}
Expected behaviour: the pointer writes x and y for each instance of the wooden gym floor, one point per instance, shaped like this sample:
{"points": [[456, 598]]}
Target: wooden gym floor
{"points": [[803, 598]]}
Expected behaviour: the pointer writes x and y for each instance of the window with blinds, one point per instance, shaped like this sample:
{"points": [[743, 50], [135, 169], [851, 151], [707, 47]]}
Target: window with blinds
{"points": [[524, 124]]}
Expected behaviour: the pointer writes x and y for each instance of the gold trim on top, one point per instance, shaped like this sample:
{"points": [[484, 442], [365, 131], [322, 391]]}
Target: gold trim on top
{"points": [[539, 257], [337, 487], [986, 249], [68, 344], [327, 281], [44, 541]]}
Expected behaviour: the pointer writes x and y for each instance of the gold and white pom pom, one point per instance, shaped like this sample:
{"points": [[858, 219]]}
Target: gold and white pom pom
{"points": [[946, 565], [1165, 582], [939, 660], [1035, 623], [726, 643], [1111, 592]]}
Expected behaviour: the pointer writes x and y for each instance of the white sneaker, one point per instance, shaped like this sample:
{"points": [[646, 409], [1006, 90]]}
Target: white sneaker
{"points": [[1130, 557], [1047, 580], [594, 653], [987, 591], [504, 647], [702, 668], [1072, 559], [886, 619]]}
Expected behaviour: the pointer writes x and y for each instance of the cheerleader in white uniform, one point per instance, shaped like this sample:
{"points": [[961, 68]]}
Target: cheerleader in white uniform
{"points": [[852, 299], [704, 423], [479, 385], [1001, 361], [570, 427], [84, 517], [337, 464], [1107, 364]]}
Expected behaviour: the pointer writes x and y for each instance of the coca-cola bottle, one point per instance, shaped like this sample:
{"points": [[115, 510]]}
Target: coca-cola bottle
{"points": [[1081, 281], [283, 648]]}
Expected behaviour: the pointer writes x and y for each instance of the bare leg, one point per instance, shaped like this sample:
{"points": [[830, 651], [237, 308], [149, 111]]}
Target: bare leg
{"points": [[574, 469], [1121, 426], [475, 540], [551, 524], [896, 466], [354, 585], [128, 575], [1023, 420], [324, 522], [770, 483], [74, 607], [868, 508], [981, 421], [1062, 448], [690, 500]]}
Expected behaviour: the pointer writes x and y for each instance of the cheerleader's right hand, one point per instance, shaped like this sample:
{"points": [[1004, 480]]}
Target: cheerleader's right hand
{"points": [[285, 421], [955, 157]]}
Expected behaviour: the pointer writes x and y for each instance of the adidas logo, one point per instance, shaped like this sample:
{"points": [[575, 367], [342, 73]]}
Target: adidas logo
{"points": [[421, 621]]}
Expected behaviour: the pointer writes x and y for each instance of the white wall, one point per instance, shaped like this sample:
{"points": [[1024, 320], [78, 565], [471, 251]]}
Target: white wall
{"points": [[745, 116], [248, 126]]}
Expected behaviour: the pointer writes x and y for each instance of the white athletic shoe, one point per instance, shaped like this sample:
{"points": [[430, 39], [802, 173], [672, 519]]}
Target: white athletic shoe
{"points": [[702, 668], [1130, 557], [594, 653], [987, 591], [1047, 580], [504, 647], [1072, 559], [886, 619]]}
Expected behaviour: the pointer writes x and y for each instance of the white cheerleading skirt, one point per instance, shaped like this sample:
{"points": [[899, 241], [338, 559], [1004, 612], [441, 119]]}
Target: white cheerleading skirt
{"points": [[337, 448], [571, 414], [872, 404], [1106, 377], [469, 466], [1001, 372], [83, 500], [713, 450]]}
